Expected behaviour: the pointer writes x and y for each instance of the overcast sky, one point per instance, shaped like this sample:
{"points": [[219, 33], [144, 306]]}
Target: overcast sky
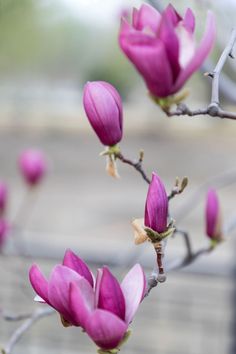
{"points": [[101, 11]]}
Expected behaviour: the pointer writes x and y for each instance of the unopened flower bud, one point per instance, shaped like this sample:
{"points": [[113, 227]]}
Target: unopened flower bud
{"points": [[4, 229], [156, 208], [3, 197], [32, 165], [103, 107], [213, 216]]}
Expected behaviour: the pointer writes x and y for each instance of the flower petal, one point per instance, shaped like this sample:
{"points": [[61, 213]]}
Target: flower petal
{"points": [[58, 290], [39, 283], [189, 21], [71, 260], [133, 287], [146, 17], [105, 329], [172, 15], [200, 54], [110, 296], [169, 38], [149, 56], [81, 301]]}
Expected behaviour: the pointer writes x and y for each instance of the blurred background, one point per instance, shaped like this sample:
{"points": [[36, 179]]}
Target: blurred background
{"points": [[48, 50]]}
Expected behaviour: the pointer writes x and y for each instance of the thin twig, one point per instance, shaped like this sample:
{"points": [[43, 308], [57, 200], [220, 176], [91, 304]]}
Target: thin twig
{"points": [[137, 165], [187, 241], [20, 331], [12, 317], [213, 109]]}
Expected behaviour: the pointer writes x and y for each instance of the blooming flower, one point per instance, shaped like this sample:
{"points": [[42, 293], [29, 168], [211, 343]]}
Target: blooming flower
{"points": [[103, 308], [213, 216], [32, 165], [156, 208], [103, 106], [162, 47], [3, 197]]}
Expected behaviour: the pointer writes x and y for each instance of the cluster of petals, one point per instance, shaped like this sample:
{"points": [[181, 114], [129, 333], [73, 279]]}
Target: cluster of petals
{"points": [[162, 47], [103, 107], [156, 208], [213, 216], [32, 164], [102, 307]]}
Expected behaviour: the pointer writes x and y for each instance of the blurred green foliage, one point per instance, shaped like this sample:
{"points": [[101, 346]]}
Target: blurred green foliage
{"points": [[41, 38]]}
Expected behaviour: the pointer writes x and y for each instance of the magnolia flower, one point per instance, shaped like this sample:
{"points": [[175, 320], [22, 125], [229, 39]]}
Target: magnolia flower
{"points": [[162, 47], [3, 197], [213, 216], [32, 165], [104, 309], [156, 208], [103, 107]]}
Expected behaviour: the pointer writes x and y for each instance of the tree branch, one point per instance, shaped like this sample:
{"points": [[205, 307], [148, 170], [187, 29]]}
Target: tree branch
{"points": [[136, 164], [213, 109], [20, 331]]}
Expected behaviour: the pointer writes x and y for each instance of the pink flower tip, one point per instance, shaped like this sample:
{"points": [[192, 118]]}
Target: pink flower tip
{"points": [[33, 165], [156, 208], [103, 107], [213, 216]]}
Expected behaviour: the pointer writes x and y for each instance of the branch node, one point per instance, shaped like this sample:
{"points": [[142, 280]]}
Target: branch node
{"points": [[213, 109]]}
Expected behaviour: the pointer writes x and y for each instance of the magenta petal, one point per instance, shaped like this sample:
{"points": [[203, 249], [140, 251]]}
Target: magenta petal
{"points": [[110, 296], [172, 15], [71, 260], [156, 208], [58, 290], [150, 59], [133, 287], [212, 213], [81, 301], [146, 17], [105, 329], [38, 282], [201, 53], [189, 21], [170, 40]]}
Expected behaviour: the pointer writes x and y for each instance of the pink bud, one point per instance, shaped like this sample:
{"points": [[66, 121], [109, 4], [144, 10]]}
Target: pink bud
{"points": [[156, 208], [4, 229], [213, 217], [32, 165], [3, 197], [162, 47], [103, 106]]}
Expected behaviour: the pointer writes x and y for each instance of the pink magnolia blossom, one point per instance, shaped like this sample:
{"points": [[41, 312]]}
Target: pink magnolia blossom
{"points": [[32, 164], [3, 197], [162, 47], [103, 308], [156, 208], [213, 216], [103, 107]]}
